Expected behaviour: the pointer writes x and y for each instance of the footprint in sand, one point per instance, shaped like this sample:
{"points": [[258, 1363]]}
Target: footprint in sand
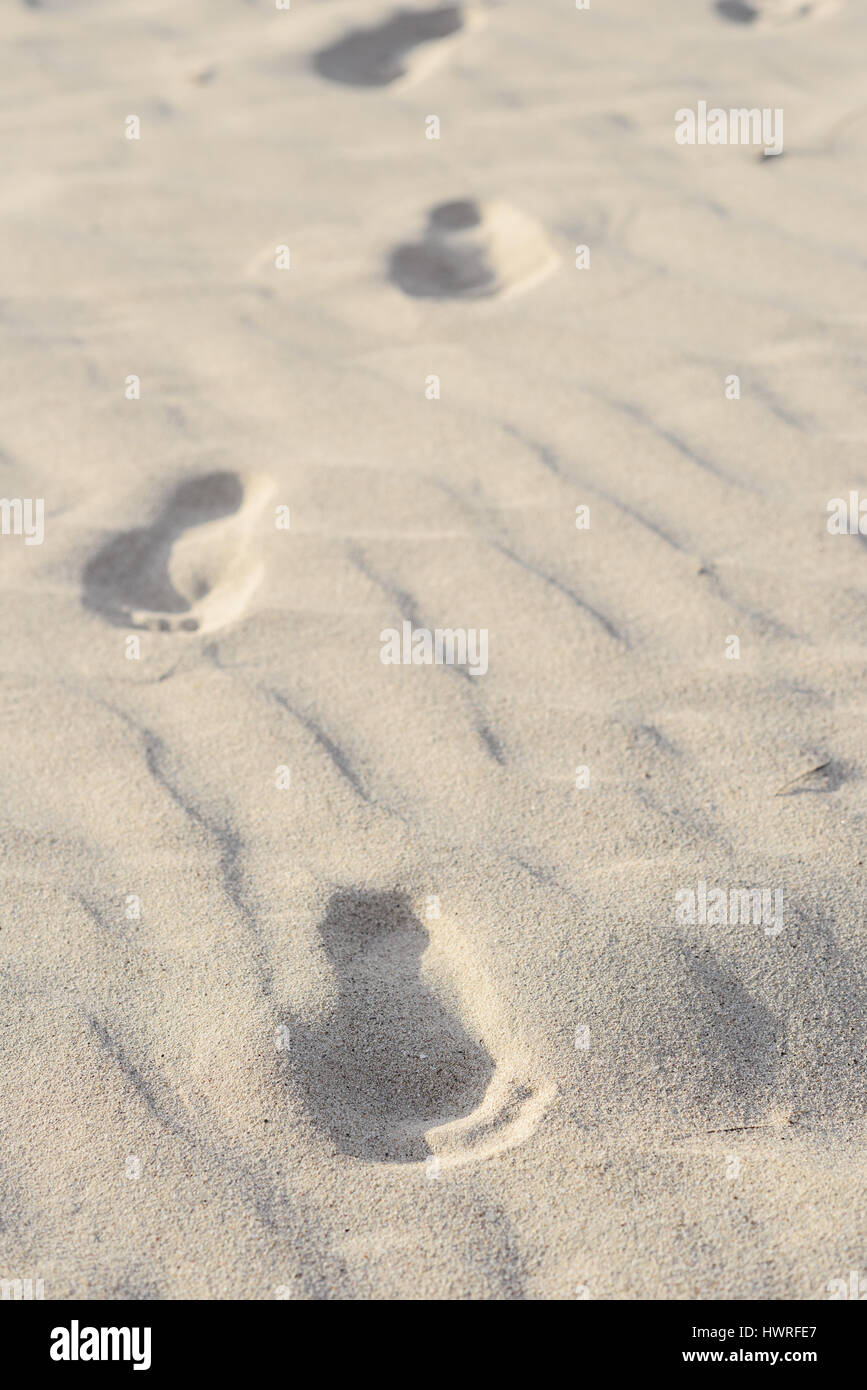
{"points": [[192, 570], [393, 1073], [59, 5], [472, 250], [761, 12], [404, 46]]}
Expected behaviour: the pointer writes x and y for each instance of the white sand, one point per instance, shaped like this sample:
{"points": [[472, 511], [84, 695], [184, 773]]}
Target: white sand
{"points": [[240, 1058]]}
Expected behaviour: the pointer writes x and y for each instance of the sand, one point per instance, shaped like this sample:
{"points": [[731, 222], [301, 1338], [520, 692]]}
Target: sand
{"points": [[330, 978]]}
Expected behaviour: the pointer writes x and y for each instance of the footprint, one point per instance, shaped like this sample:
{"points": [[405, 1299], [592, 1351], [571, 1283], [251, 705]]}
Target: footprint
{"points": [[57, 4], [392, 1073], [761, 12], [471, 250], [381, 56], [192, 570]]}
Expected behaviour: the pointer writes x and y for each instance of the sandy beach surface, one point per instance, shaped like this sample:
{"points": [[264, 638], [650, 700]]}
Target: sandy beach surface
{"points": [[534, 975]]}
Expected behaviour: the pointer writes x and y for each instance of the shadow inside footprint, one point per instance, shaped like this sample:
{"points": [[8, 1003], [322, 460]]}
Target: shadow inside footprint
{"points": [[130, 575], [389, 1061], [431, 269], [737, 12], [376, 57]]}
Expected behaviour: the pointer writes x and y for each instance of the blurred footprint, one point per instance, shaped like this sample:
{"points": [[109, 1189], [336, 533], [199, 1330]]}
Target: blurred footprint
{"points": [[192, 570], [761, 12], [56, 4], [378, 57], [471, 250]]}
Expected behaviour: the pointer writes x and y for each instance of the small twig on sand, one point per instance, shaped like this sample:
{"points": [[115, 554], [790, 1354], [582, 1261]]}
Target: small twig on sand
{"points": [[796, 780], [736, 1129]]}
